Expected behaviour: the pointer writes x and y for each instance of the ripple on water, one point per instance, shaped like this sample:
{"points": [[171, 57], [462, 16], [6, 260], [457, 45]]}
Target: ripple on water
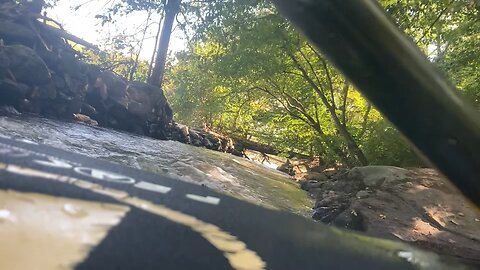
{"points": [[226, 173]]}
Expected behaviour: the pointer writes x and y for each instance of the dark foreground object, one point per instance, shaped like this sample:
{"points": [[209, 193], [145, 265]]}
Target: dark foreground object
{"points": [[395, 76], [170, 224]]}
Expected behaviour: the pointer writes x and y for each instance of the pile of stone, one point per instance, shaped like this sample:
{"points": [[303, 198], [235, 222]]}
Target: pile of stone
{"points": [[41, 73], [205, 138]]}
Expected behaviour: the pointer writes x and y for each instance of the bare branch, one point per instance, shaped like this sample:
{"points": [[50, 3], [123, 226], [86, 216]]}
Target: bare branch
{"points": [[329, 79], [365, 121], [311, 68], [346, 86]]}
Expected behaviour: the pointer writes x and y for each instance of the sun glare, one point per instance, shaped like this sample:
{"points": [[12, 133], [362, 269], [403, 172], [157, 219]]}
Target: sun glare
{"points": [[83, 23]]}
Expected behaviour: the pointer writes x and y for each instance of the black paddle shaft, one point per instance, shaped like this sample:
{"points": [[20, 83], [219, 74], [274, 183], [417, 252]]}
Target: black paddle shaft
{"points": [[390, 70]]}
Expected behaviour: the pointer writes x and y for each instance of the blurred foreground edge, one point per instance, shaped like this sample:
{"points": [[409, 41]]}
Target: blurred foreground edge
{"points": [[390, 70]]}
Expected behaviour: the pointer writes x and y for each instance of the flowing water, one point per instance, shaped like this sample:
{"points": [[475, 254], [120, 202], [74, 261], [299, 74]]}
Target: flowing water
{"points": [[226, 173]]}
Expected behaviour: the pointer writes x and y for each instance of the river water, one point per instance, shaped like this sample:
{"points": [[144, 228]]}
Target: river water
{"points": [[226, 173]]}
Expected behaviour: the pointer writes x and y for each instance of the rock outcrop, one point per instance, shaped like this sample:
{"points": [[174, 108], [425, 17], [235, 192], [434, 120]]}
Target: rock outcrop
{"points": [[41, 73], [417, 206], [205, 138]]}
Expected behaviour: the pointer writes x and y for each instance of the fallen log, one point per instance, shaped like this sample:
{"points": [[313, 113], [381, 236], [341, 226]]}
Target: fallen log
{"points": [[244, 143], [64, 34]]}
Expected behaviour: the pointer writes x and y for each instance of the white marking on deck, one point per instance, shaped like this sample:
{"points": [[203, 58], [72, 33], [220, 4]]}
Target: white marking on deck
{"points": [[55, 163], [208, 199], [152, 187], [104, 175]]}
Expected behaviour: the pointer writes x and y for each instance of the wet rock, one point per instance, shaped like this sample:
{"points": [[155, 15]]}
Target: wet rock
{"points": [[206, 142], [88, 110], [228, 145], [326, 214], [12, 92], [184, 132], [48, 91], [25, 65], [112, 88], [72, 106], [318, 176], [194, 136], [142, 92], [349, 219], [310, 184], [331, 197], [315, 191], [158, 131], [119, 117], [287, 168], [203, 138], [237, 153], [149, 104], [140, 99], [5, 66], [339, 184], [215, 142], [84, 119], [138, 109], [15, 32], [25, 105], [68, 63]]}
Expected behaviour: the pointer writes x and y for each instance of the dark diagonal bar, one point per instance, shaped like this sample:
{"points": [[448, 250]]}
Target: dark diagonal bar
{"points": [[364, 43]]}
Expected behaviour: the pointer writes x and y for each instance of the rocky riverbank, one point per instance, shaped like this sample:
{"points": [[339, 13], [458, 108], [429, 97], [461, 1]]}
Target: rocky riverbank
{"points": [[418, 206], [42, 73]]}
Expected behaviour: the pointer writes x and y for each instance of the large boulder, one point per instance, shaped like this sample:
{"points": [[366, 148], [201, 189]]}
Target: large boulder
{"points": [[112, 89], [374, 176], [417, 206], [15, 32], [11, 92], [287, 168], [41, 73], [143, 99], [25, 65]]}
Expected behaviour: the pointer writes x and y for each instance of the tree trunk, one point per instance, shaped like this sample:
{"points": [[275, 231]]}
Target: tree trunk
{"points": [[331, 144], [352, 146], [310, 121], [171, 9]]}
